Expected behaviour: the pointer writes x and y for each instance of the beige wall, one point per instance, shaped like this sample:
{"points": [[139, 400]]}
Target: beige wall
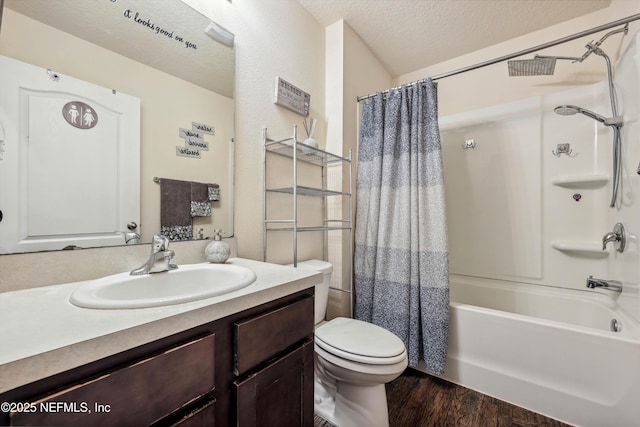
{"points": [[163, 112], [272, 38], [351, 69], [492, 85]]}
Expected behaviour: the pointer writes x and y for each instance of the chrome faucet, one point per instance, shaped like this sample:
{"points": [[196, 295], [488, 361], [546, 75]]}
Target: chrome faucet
{"points": [[160, 258], [130, 237], [609, 285], [617, 236]]}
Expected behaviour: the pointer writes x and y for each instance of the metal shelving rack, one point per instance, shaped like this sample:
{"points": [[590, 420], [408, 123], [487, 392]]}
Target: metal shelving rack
{"points": [[298, 152]]}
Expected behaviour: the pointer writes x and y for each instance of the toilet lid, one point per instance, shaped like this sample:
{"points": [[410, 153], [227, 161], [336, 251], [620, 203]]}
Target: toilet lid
{"points": [[359, 338]]}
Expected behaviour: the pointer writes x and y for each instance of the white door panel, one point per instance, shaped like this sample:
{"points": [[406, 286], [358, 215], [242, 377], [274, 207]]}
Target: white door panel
{"points": [[62, 185]]}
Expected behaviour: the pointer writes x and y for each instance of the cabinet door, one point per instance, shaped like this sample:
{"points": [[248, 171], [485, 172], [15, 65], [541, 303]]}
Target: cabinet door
{"points": [[280, 395], [201, 417]]}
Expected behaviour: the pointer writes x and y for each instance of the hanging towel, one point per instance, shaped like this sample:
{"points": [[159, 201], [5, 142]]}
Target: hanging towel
{"points": [[175, 215], [214, 192], [200, 205]]}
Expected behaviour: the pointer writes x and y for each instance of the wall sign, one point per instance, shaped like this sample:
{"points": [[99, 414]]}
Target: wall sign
{"points": [[188, 133], [198, 144], [194, 142], [187, 152], [292, 97], [140, 19], [201, 127], [80, 115]]}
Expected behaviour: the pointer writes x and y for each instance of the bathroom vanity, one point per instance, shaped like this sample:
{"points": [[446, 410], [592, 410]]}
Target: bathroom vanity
{"points": [[245, 358]]}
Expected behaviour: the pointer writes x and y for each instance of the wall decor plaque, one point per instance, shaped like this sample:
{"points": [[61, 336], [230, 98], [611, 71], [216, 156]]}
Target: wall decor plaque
{"points": [[201, 127], [292, 97], [196, 143], [187, 152], [189, 133]]}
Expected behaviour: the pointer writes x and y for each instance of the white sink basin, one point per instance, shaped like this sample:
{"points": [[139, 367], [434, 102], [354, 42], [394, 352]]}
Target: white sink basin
{"points": [[188, 283]]}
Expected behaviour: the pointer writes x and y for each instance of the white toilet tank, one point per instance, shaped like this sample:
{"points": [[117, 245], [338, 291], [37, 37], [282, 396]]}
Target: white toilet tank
{"points": [[322, 289]]}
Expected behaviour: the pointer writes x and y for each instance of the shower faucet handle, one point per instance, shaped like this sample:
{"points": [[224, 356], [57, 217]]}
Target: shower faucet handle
{"points": [[617, 236]]}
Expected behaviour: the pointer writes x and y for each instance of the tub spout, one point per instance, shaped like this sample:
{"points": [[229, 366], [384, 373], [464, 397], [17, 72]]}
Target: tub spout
{"points": [[609, 285]]}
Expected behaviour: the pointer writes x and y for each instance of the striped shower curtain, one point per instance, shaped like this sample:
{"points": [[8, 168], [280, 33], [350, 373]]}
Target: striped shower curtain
{"points": [[401, 254]]}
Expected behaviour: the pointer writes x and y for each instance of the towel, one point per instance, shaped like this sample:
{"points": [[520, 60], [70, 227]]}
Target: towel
{"points": [[214, 192], [175, 215], [200, 205]]}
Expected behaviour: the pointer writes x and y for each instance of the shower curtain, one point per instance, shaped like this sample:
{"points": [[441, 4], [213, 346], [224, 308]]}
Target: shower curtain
{"points": [[401, 253]]}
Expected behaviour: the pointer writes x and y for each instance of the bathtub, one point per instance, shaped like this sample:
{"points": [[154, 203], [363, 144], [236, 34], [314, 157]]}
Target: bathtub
{"points": [[550, 350]]}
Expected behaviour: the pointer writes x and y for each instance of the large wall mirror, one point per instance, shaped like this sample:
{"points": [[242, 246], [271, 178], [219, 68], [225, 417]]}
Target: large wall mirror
{"points": [[158, 53]]}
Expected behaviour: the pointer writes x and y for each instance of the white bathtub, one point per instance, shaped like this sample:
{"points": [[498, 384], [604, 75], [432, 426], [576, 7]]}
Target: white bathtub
{"points": [[547, 349]]}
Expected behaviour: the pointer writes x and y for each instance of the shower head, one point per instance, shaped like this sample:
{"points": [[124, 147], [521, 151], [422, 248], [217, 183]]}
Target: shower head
{"points": [[570, 110], [540, 65], [566, 110]]}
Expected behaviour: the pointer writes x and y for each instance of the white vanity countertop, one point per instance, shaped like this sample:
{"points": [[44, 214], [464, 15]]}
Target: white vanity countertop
{"points": [[42, 333]]}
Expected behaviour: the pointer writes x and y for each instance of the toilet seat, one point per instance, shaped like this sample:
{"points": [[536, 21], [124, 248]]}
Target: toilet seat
{"points": [[360, 342]]}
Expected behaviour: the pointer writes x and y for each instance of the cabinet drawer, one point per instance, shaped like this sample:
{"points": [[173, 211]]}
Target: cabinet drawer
{"points": [[261, 338], [137, 394]]}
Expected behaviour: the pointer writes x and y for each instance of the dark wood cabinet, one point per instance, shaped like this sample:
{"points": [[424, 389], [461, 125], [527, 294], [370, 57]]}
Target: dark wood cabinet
{"points": [[253, 368], [145, 391], [276, 348], [280, 394]]}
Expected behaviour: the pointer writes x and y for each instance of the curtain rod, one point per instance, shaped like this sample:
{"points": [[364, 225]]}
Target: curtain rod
{"points": [[516, 54]]}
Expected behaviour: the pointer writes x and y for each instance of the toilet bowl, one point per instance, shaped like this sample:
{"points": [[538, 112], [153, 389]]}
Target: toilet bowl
{"points": [[353, 362]]}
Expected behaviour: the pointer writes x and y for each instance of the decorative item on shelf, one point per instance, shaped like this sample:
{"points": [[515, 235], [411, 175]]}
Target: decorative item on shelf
{"points": [[309, 142], [218, 251]]}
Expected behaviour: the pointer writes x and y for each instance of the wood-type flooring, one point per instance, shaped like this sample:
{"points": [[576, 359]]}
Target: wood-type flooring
{"points": [[421, 400]]}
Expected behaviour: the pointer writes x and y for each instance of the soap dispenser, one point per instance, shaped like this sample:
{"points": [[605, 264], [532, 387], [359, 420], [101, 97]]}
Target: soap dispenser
{"points": [[218, 250]]}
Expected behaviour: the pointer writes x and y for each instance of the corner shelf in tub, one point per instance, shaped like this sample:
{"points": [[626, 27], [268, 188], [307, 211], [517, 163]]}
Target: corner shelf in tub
{"points": [[591, 249], [580, 181]]}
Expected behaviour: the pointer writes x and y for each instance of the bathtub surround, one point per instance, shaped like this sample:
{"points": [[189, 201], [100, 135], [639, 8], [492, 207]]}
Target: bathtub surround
{"points": [[401, 257], [545, 349], [524, 326]]}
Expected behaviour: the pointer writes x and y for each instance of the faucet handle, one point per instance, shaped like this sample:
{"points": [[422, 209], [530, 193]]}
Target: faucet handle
{"points": [[617, 236], [159, 243]]}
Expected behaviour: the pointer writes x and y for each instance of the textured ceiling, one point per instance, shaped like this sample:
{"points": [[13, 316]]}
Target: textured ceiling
{"points": [[407, 35], [153, 33]]}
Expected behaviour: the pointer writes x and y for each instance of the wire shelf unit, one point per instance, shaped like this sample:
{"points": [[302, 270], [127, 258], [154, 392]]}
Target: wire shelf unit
{"points": [[300, 153]]}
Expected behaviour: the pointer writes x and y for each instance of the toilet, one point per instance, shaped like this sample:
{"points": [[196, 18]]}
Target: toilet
{"points": [[353, 362]]}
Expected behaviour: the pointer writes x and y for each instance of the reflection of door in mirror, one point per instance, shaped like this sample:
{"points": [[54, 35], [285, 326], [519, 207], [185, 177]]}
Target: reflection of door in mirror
{"points": [[66, 124]]}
